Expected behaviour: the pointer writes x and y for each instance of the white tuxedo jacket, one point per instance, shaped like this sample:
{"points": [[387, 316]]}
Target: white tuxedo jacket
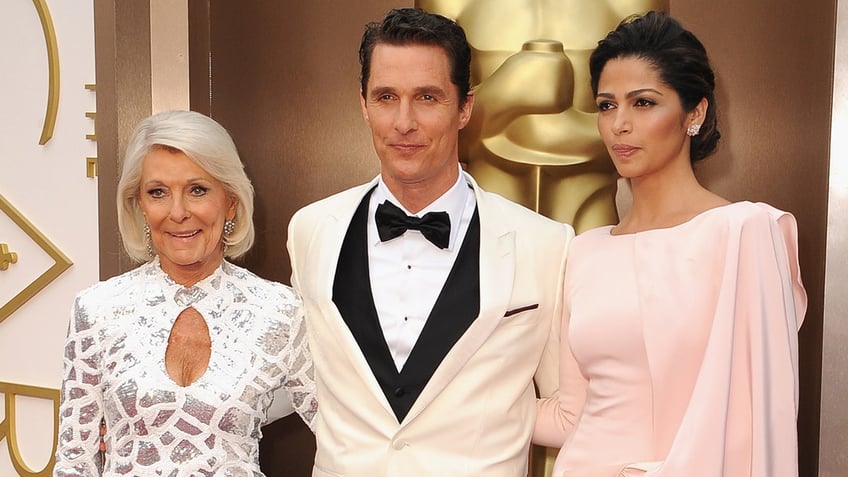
{"points": [[476, 414]]}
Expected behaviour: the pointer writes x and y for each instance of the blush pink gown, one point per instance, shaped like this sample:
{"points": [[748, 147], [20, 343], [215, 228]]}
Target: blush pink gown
{"points": [[679, 350]]}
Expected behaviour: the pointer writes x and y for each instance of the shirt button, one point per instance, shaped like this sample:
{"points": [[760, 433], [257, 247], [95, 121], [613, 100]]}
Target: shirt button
{"points": [[399, 392]]}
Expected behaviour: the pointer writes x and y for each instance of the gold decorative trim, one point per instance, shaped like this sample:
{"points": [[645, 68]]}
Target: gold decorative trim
{"points": [[61, 264], [8, 427], [6, 257], [92, 116], [91, 167], [52, 68]]}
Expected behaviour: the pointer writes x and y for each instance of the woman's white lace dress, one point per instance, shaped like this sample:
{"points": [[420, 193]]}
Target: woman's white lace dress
{"points": [[115, 370]]}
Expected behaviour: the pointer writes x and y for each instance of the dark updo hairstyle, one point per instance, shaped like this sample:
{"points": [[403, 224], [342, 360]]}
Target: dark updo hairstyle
{"points": [[413, 26], [679, 58]]}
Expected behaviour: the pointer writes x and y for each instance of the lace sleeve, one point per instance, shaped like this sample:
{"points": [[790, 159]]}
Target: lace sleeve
{"points": [[81, 408], [300, 381]]}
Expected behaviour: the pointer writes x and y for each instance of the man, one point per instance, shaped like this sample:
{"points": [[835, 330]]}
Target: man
{"points": [[426, 331]]}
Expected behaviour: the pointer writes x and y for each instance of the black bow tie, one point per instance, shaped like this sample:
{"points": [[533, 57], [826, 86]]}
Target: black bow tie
{"points": [[393, 222]]}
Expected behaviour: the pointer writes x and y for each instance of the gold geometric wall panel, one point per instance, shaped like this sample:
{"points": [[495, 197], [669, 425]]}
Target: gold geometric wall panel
{"points": [[61, 262], [8, 426], [52, 69]]}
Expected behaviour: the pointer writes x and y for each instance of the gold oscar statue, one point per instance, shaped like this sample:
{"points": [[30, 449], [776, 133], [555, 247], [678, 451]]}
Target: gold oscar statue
{"points": [[533, 136]]}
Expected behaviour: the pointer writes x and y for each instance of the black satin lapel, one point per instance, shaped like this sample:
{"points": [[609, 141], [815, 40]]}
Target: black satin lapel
{"points": [[455, 309], [352, 296]]}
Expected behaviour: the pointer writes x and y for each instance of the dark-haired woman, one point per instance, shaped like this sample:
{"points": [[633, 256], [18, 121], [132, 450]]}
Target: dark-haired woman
{"points": [[679, 353]]}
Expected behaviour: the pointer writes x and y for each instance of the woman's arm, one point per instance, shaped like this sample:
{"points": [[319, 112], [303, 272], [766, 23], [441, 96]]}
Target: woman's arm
{"points": [[741, 418], [557, 412], [300, 379], [81, 409]]}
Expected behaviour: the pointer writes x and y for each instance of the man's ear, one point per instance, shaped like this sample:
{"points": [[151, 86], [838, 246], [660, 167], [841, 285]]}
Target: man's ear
{"points": [[466, 109], [363, 106]]}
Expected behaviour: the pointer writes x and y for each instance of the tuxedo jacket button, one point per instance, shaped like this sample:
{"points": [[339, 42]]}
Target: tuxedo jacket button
{"points": [[399, 444], [399, 391]]}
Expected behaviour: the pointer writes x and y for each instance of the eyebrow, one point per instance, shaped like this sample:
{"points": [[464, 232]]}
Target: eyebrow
{"points": [[433, 90], [381, 90], [635, 92], [191, 180]]}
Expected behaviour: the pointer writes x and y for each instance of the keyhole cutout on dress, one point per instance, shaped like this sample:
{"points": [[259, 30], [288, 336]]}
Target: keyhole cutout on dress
{"points": [[189, 348]]}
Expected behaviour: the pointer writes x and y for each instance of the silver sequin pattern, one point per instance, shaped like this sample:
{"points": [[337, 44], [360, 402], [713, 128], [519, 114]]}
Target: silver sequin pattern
{"points": [[114, 369]]}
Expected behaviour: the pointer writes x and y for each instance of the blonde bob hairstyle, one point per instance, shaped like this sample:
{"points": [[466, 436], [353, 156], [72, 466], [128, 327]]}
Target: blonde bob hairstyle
{"points": [[206, 143]]}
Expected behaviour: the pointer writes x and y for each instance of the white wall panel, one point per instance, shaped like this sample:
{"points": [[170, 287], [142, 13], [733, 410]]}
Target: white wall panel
{"points": [[47, 184]]}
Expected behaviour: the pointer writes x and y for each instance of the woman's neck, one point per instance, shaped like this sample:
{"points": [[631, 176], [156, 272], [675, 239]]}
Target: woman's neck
{"points": [[662, 201], [189, 275]]}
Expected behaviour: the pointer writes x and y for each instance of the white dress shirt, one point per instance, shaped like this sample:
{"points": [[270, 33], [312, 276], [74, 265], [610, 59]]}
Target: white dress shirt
{"points": [[408, 272]]}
